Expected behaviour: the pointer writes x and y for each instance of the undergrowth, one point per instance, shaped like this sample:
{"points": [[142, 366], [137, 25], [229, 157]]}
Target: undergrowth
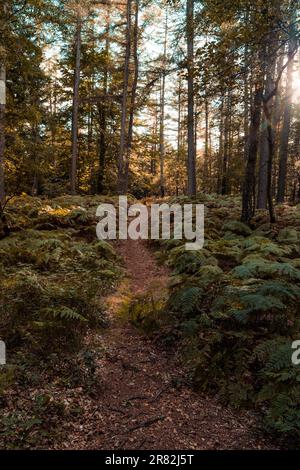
{"points": [[54, 274], [234, 310]]}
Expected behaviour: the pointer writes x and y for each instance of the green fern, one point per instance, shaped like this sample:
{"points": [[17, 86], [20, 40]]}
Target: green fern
{"points": [[254, 266], [236, 227], [187, 300], [64, 313]]}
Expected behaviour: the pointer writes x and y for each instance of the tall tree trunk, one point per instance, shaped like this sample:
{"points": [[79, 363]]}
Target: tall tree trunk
{"points": [[75, 105], [248, 199], [134, 86], [246, 108], [285, 131], [122, 184], [277, 115], [162, 148], [102, 146], [271, 140], [224, 184], [264, 157], [191, 163], [102, 111], [155, 138], [36, 139], [178, 138], [90, 142], [2, 129], [263, 166], [297, 162], [277, 105], [206, 146], [221, 147]]}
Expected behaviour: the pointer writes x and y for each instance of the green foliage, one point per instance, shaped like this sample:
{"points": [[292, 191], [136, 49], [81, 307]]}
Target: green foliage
{"points": [[209, 274], [234, 307], [187, 300], [257, 303], [225, 250], [288, 235], [236, 227], [52, 280], [264, 247], [186, 261], [254, 266], [36, 312], [147, 311]]}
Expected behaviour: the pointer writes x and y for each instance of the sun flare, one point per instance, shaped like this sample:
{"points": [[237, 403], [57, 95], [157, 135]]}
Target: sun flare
{"points": [[296, 88]]}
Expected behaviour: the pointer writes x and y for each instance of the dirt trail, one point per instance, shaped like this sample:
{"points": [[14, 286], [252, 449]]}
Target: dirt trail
{"points": [[144, 402]]}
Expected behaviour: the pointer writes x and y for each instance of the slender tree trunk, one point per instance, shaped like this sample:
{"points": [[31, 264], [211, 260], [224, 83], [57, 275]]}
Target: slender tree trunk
{"points": [[297, 162], [262, 191], [75, 106], [134, 86], [206, 147], [102, 111], [277, 105], [122, 164], [230, 143], [90, 140], [154, 137], [191, 163], [285, 131], [248, 199], [102, 146], [270, 132], [53, 119], [162, 148], [178, 137], [36, 138], [246, 108], [224, 185], [2, 129], [221, 147], [263, 166]]}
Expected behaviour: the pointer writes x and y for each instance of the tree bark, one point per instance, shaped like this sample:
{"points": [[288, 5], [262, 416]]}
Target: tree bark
{"points": [[102, 112], [206, 146], [248, 198], [191, 164], [122, 180], [178, 138], [75, 105], [155, 140], [133, 88], [264, 157], [162, 148], [224, 184], [221, 146], [285, 131], [246, 108], [102, 146], [270, 133]]}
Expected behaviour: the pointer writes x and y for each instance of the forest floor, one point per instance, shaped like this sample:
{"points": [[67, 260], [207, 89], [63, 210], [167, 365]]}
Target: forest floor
{"points": [[145, 401], [105, 345]]}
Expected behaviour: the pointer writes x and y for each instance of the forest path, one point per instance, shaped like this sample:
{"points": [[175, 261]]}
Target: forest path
{"points": [[145, 403]]}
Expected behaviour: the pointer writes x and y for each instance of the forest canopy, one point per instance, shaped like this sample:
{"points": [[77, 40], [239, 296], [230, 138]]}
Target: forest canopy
{"points": [[153, 97]]}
